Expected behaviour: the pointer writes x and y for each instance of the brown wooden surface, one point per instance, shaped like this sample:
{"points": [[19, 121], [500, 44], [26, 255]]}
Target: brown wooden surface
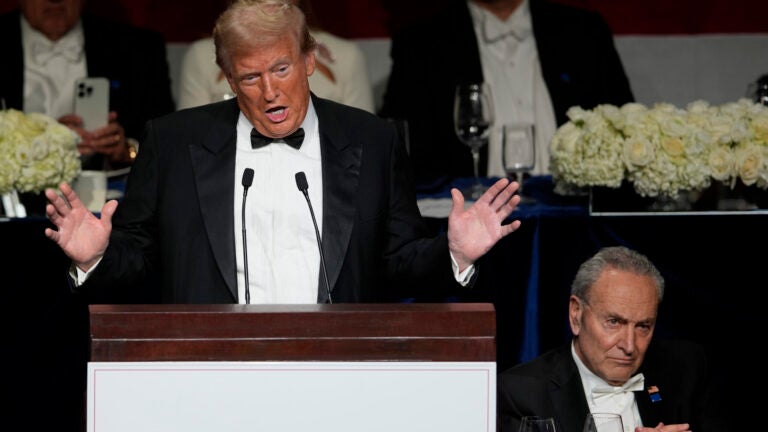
{"points": [[342, 332]]}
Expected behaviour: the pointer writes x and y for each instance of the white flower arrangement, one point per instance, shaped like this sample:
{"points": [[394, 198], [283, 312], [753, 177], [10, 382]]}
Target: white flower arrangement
{"points": [[36, 152], [661, 150]]}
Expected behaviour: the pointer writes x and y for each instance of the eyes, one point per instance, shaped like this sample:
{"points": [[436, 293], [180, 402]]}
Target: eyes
{"points": [[614, 323], [279, 71]]}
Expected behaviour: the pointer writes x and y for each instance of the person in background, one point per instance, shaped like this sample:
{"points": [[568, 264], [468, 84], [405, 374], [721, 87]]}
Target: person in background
{"points": [[341, 71], [539, 57], [185, 204], [48, 45], [612, 364]]}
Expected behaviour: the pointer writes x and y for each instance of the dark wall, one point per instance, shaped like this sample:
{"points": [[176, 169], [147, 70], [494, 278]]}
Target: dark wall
{"points": [[186, 20]]}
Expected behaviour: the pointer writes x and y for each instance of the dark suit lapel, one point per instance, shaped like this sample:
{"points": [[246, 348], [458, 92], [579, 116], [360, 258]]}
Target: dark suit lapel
{"points": [[98, 48], [468, 67], [568, 398], [341, 170], [650, 412], [213, 163], [12, 53]]}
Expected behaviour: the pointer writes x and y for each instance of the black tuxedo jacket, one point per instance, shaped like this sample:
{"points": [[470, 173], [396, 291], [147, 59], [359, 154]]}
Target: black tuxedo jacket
{"points": [[133, 59], [578, 59], [176, 220], [550, 386]]}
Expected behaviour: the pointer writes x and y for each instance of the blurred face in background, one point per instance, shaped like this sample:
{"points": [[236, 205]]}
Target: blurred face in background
{"points": [[53, 18]]}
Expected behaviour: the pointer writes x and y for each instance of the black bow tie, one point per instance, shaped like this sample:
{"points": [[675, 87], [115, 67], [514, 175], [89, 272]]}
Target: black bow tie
{"points": [[294, 140]]}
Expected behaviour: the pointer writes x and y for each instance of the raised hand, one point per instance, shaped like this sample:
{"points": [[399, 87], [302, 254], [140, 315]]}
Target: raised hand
{"points": [[474, 231], [79, 233]]}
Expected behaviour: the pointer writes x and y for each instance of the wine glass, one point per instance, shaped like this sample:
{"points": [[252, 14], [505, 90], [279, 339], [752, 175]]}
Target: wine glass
{"points": [[537, 424], [603, 422], [518, 152], [472, 120]]}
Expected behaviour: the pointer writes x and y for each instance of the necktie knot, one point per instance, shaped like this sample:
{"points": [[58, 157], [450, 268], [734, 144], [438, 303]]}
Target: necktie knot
{"points": [[294, 140], [636, 383]]}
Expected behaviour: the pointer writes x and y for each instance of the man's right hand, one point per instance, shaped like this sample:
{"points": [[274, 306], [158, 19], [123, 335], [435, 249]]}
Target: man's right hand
{"points": [[82, 236]]}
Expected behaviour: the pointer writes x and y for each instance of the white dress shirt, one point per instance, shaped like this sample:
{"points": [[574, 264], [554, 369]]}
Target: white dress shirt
{"points": [[51, 70], [283, 256], [511, 67], [623, 404]]}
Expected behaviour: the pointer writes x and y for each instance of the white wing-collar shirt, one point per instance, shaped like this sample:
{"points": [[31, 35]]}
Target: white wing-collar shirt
{"points": [[511, 67], [51, 70], [623, 404]]}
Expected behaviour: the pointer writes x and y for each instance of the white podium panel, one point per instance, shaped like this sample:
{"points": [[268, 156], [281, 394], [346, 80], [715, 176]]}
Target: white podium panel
{"points": [[291, 396]]}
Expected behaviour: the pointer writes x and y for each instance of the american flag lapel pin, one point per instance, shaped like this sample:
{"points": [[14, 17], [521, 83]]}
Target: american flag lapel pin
{"points": [[653, 392]]}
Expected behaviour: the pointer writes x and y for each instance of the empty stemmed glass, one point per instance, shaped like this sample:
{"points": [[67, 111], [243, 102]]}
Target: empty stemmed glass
{"points": [[603, 422], [472, 120], [518, 152], [537, 424]]}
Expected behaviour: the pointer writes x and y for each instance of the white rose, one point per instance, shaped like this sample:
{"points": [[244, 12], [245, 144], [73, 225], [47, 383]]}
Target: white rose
{"points": [[749, 161], [721, 164], [638, 152]]}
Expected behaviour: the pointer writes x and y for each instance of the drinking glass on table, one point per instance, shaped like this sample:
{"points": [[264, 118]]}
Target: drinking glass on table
{"points": [[472, 120], [603, 422], [518, 152], [537, 424]]}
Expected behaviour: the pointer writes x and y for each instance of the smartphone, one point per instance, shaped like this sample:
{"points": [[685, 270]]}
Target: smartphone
{"points": [[92, 101]]}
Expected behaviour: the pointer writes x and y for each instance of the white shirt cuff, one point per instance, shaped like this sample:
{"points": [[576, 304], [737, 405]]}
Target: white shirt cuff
{"points": [[464, 277], [78, 276]]}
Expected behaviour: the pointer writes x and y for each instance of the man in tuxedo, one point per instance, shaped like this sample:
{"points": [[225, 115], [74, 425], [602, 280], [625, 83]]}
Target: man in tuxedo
{"points": [[184, 207], [539, 58], [48, 45], [612, 364]]}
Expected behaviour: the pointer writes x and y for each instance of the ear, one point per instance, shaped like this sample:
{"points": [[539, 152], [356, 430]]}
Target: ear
{"points": [[231, 82], [309, 62], [575, 311]]}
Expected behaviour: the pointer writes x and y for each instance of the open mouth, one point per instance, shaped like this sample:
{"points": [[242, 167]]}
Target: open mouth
{"points": [[277, 115]]}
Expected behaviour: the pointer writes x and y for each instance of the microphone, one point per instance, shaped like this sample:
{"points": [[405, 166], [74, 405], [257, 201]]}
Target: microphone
{"points": [[301, 183], [247, 182]]}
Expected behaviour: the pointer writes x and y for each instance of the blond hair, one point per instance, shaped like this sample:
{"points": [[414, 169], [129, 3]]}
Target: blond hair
{"points": [[248, 25]]}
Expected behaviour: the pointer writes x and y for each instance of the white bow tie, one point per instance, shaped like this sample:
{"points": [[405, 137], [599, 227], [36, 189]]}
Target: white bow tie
{"points": [[494, 30], [43, 52], [636, 383]]}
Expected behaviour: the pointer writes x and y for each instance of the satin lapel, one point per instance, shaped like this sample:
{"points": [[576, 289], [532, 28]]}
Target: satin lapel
{"points": [[99, 49], [568, 398], [650, 412], [341, 170], [465, 40], [213, 163]]}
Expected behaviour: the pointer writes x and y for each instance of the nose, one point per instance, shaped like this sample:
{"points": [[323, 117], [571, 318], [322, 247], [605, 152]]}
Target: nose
{"points": [[627, 340], [268, 89]]}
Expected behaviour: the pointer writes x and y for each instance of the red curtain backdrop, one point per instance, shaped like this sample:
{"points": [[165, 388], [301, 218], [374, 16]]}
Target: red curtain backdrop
{"points": [[186, 20]]}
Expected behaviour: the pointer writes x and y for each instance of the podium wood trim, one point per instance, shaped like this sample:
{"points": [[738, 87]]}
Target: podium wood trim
{"points": [[340, 332]]}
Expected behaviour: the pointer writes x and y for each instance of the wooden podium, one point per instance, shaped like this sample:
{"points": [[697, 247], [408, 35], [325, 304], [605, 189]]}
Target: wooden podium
{"points": [[411, 367], [341, 332]]}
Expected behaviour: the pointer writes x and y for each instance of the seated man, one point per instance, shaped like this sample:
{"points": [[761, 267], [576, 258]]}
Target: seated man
{"points": [[47, 46], [539, 58], [612, 365]]}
